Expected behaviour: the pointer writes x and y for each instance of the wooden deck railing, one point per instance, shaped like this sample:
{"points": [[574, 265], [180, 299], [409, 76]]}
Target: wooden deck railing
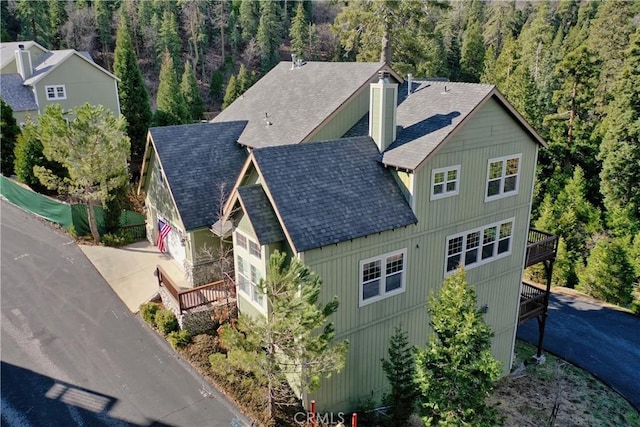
{"points": [[541, 246], [198, 296], [532, 301]]}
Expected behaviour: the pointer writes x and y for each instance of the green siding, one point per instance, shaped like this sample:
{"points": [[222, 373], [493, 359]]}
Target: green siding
{"points": [[83, 82], [26, 116], [490, 133], [202, 241], [353, 111]]}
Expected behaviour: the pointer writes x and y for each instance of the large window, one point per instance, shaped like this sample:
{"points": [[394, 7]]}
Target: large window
{"points": [[502, 177], [479, 246], [382, 276], [55, 92], [445, 182], [249, 270]]}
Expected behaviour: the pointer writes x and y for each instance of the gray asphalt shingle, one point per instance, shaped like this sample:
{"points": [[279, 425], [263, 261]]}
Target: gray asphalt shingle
{"points": [[261, 214], [16, 94], [296, 100], [329, 192], [199, 159]]}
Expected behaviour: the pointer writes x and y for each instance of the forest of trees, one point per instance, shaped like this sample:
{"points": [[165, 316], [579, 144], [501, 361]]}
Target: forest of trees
{"points": [[571, 67]]}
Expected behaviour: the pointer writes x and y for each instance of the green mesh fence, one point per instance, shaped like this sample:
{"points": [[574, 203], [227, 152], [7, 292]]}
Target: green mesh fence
{"points": [[59, 212]]}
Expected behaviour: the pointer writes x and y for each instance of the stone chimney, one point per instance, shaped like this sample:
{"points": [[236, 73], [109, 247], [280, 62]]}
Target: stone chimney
{"points": [[23, 62], [383, 101]]}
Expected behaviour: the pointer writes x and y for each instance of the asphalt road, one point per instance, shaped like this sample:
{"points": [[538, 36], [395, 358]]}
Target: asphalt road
{"points": [[72, 353], [599, 339]]}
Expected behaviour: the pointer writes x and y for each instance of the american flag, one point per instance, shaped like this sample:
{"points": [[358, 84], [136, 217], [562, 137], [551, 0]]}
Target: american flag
{"points": [[164, 230]]}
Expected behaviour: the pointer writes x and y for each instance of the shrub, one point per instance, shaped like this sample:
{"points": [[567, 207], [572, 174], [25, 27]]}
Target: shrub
{"points": [[179, 338], [148, 312], [166, 321], [120, 238], [72, 231]]}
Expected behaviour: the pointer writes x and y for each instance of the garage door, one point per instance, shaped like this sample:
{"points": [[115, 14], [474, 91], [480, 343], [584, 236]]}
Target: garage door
{"points": [[175, 247]]}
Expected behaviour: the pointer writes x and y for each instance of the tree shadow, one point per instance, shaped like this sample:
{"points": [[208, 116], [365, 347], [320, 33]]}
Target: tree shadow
{"points": [[424, 127]]}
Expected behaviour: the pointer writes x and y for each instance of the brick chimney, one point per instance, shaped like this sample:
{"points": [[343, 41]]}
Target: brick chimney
{"points": [[23, 62], [383, 101]]}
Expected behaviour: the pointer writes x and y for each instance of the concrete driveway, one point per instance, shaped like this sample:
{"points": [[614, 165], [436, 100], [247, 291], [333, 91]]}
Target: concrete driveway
{"points": [[599, 338]]}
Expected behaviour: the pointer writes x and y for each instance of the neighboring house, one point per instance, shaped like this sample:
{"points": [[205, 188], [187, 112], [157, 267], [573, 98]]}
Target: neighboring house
{"points": [[389, 193], [187, 173], [446, 178], [32, 77]]}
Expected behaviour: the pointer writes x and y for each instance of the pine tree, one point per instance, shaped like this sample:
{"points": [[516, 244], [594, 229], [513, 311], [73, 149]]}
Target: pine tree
{"points": [[9, 131], [34, 21], [472, 54], [243, 80], [215, 85], [268, 36], [400, 369], [299, 32], [28, 153], [191, 93], [104, 14], [609, 275], [74, 144], [57, 18], [171, 108], [169, 39], [294, 344], [456, 372], [134, 99], [248, 19], [620, 150], [231, 92]]}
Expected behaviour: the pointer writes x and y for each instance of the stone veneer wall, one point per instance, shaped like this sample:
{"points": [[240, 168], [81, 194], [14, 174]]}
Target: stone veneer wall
{"points": [[200, 319], [200, 274]]}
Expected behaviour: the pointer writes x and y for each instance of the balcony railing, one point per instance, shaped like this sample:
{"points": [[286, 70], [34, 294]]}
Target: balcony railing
{"points": [[541, 247], [198, 296], [532, 301]]}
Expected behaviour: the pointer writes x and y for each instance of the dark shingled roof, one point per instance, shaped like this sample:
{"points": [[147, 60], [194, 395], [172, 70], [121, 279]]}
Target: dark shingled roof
{"points": [[261, 214], [426, 118], [329, 192], [17, 95], [297, 100], [197, 159]]}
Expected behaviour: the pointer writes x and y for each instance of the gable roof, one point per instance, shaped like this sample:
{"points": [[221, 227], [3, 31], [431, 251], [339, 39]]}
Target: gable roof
{"points": [[17, 95], [431, 115], [8, 50], [198, 161], [328, 192], [54, 58], [296, 100], [263, 219]]}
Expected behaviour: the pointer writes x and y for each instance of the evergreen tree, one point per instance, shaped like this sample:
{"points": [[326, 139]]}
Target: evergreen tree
{"points": [[231, 92], [500, 24], [294, 343], [191, 93], [299, 32], [472, 54], [243, 80], [488, 75], [34, 21], [248, 19], [400, 369], [169, 39], [134, 99], [268, 36], [609, 274], [171, 108], [28, 154], [455, 373], [104, 14], [74, 144], [620, 150], [9, 131], [215, 85], [57, 18]]}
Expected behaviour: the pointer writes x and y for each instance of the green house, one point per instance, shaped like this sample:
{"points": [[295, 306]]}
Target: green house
{"points": [[381, 186], [436, 176], [32, 77]]}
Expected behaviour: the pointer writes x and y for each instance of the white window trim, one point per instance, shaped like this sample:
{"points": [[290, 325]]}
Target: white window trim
{"points": [[383, 293], [446, 193], [159, 172], [480, 261], [250, 260], [502, 194], [55, 92]]}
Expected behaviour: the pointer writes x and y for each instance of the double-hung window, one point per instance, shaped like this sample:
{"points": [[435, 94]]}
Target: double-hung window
{"points": [[55, 92], [382, 276], [445, 182], [479, 246], [249, 268], [503, 177]]}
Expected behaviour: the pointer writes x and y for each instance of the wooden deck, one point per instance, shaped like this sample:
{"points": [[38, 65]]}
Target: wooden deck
{"points": [[532, 301], [198, 296], [541, 247]]}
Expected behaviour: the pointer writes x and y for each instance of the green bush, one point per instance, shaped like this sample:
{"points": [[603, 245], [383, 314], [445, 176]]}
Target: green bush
{"points": [[148, 312], [179, 338], [72, 231], [166, 321], [120, 238]]}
